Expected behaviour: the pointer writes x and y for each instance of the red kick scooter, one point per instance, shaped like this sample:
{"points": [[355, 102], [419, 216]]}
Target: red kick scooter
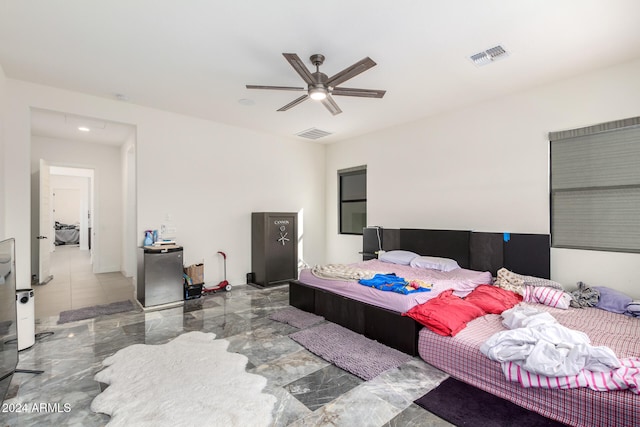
{"points": [[224, 285]]}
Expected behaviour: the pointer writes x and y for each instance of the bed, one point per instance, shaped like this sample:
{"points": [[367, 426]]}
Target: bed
{"points": [[474, 251], [460, 356], [67, 234], [374, 313]]}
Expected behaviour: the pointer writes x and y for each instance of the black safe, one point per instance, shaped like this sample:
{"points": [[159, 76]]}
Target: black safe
{"points": [[274, 247]]}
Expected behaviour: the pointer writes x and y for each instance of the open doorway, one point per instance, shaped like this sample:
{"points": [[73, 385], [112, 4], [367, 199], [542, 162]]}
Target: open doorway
{"points": [[72, 202], [62, 212], [90, 205]]}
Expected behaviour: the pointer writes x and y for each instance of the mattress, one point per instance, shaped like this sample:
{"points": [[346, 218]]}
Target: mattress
{"points": [[461, 280], [67, 236], [460, 357]]}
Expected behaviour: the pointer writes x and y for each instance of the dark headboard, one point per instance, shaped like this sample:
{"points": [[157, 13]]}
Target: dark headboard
{"points": [[527, 254], [442, 243]]}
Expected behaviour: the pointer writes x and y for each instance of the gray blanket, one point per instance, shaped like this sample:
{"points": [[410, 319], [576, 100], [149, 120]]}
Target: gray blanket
{"points": [[584, 296], [67, 236]]}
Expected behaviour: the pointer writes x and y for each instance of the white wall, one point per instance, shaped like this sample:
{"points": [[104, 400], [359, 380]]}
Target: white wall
{"points": [[66, 205], [215, 177], [485, 168], [207, 176], [129, 231], [105, 161]]}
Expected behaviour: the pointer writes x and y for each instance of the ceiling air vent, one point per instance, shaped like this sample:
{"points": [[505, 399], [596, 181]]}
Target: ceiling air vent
{"points": [[313, 133], [489, 56]]}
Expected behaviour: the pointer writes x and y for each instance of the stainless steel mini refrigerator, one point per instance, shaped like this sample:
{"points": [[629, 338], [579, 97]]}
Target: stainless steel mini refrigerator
{"points": [[160, 276]]}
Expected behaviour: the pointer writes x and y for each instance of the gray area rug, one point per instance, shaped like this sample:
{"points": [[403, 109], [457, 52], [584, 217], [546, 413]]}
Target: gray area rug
{"points": [[464, 405], [350, 351], [95, 311], [296, 317]]}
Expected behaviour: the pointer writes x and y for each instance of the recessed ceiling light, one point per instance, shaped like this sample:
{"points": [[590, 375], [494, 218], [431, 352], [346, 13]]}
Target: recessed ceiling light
{"points": [[246, 102], [83, 129]]}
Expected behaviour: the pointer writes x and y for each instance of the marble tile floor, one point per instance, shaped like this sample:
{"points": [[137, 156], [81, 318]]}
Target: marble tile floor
{"points": [[309, 391]]}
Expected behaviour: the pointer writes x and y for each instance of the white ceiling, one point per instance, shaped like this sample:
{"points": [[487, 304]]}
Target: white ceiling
{"points": [[195, 56], [54, 124]]}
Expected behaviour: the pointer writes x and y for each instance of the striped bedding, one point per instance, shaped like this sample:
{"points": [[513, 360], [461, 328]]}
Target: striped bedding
{"points": [[460, 356], [622, 378]]}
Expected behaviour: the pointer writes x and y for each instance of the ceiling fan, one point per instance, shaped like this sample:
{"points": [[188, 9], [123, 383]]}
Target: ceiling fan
{"points": [[320, 87]]}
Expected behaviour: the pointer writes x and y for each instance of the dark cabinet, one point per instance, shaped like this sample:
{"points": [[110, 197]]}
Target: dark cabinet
{"points": [[274, 247]]}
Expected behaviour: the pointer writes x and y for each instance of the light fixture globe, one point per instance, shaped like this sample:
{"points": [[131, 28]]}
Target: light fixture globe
{"points": [[317, 93]]}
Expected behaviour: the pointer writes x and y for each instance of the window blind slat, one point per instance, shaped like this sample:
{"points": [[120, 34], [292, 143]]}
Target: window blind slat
{"points": [[595, 187], [597, 160], [597, 219]]}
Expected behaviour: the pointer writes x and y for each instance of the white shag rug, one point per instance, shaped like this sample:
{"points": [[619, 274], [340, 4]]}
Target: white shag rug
{"points": [[189, 381]]}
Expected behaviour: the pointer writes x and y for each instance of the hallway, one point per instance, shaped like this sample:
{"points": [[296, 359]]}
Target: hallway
{"points": [[74, 285]]}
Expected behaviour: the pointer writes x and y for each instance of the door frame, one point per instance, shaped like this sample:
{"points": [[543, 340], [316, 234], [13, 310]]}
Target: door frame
{"points": [[40, 255]]}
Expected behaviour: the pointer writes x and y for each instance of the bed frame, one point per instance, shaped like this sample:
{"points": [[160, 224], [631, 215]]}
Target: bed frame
{"points": [[527, 254]]}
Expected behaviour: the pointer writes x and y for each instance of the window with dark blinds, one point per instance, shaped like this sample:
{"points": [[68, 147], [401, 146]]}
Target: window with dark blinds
{"points": [[352, 194], [595, 187]]}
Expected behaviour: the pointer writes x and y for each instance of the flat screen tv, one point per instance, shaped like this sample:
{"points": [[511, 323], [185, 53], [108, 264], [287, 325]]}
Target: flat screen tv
{"points": [[8, 328]]}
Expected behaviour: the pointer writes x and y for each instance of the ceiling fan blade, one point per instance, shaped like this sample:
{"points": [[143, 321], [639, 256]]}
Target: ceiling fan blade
{"points": [[350, 72], [331, 105], [294, 102], [274, 87], [299, 66], [366, 93]]}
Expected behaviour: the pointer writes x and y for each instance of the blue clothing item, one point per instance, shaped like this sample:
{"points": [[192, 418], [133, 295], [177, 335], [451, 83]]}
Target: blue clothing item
{"points": [[391, 283]]}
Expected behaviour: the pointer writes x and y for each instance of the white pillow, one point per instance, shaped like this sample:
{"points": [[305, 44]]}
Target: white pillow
{"points": [[547, 296], [397, 257], [434, 263]]}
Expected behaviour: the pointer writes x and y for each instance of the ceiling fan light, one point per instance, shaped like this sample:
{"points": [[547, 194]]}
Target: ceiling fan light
{"points": [[317, 93]]}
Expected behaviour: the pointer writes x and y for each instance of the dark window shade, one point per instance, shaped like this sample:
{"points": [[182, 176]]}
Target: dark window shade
{"points": [[597, 219], [601, 160], [595, 187], [352, 189], [354, 186], [353, 217]]}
